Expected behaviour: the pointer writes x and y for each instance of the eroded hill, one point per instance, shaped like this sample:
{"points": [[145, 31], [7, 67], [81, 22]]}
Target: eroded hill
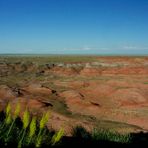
{"points": [[105, 92]]}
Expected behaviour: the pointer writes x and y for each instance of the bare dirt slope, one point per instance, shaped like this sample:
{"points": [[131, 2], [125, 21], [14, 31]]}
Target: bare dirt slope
{"points": [[105, 92]]}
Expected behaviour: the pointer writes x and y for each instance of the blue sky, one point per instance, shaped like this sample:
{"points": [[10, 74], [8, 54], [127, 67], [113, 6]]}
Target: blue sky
{"points": [[74, 26]]}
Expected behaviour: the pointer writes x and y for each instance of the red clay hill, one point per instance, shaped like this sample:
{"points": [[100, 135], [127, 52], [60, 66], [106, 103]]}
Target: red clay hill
{"points": [[105, 92]]}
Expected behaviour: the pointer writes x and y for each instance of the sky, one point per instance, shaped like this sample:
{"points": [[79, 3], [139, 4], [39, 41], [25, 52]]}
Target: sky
{"points": [[74, 26]]}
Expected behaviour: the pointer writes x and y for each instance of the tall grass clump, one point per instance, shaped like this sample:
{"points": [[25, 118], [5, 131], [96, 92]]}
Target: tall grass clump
{"points": [[6, 123], [57, 137], [27, 131], [16, 113], [106, 135], [8, 115], [25, 120], [42, 125], [32, 129]]}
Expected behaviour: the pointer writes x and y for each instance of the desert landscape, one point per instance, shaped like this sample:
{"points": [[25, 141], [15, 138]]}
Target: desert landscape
{"points": [[109, 92], [73, 73]]}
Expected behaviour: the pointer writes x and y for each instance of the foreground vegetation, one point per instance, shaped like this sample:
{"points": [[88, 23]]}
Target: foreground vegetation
{"points": [[28, 131]]}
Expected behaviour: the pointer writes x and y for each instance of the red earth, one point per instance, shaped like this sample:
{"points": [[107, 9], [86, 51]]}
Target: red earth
{"points": [[109, 92]]}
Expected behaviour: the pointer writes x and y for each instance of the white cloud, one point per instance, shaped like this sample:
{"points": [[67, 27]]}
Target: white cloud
{"points": [[135, 48], [103, 48], [87, 49], [129, 47]]}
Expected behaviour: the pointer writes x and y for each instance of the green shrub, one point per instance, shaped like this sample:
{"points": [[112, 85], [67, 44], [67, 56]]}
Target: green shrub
{"points": [[81, 132]]}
